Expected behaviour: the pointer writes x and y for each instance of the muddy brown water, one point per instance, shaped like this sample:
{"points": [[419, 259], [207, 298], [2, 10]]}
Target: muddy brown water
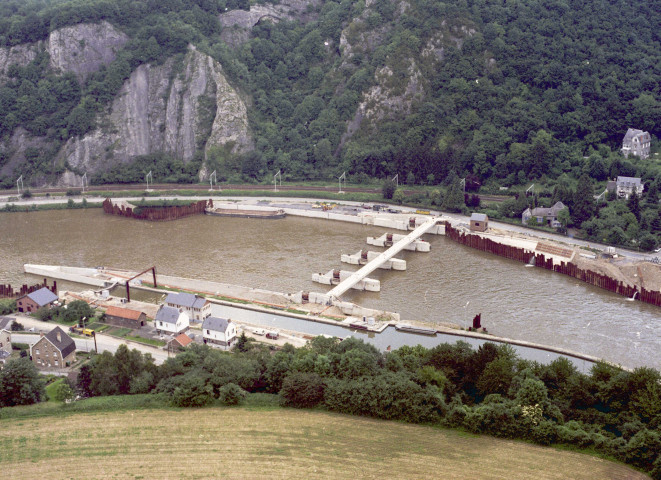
{"points": [[450, 284]]}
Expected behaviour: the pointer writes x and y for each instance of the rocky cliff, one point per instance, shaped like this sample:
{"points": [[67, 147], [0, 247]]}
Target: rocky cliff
{"points": [[180, 107], [81, 49], [176, 108], [237, 24]]}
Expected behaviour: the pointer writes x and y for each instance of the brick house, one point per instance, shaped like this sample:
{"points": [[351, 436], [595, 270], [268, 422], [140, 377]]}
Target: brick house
{"points": [[36, 300], [125, 317], [197, 308], [180, 341], [54, 350], [636, 142], [479, 222]]}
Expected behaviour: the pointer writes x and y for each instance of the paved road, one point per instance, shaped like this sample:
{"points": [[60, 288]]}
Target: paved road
{"points": [[103, 342]]}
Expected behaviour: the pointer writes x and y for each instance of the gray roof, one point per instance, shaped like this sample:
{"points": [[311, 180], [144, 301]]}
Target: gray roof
{"points": [[167, 314], [4, 323], [632, 133], [4, 354], [65, 344], [628, 181], [479, 217], [215, 323], [187, 300], [545, 212], [42, 297]]}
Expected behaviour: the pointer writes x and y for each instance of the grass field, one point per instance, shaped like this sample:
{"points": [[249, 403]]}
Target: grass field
{"points": [[271, 443]]}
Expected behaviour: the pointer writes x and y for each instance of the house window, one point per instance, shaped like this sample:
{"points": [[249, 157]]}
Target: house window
{"points": [[56, 363], [208, 332], [37, 351]]}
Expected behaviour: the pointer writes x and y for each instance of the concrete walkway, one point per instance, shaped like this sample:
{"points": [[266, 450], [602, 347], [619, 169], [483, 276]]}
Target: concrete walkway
{"points": [[358, 275]]}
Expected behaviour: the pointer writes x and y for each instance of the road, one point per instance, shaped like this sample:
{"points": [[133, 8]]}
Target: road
{"points": [[104, 343]]}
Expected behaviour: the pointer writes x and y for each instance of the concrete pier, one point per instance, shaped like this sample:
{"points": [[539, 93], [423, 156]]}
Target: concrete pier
{"points": [[389, 239], [363, 257], [398, 246], [336, 277]]}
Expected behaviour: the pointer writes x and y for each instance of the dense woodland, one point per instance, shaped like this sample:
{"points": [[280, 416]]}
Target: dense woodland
{"points": [[489, 390], [536, 91]]}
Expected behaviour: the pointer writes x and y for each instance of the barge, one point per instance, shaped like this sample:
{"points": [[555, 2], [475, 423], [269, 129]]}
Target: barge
{"points": [[241, 213], [412, 329]]}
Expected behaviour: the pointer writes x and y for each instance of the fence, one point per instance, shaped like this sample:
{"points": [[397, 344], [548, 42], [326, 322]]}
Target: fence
{"points": [[7, 291], [570, 269], [157, 214]]}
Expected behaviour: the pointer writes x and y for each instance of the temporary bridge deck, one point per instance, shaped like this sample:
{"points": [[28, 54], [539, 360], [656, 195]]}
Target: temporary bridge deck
{"points": [[397, 247]]}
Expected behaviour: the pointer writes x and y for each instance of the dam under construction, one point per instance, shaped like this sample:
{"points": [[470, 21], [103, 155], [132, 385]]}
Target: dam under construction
{"points": [[448, 284]]}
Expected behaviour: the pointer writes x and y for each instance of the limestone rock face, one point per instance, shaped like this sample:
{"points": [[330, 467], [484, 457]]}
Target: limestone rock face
{"points": [[175, 108], [81, 49], [20, 55], [238, 23], [84, 48]]}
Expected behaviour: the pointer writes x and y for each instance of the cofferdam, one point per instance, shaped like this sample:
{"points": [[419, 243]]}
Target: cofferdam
{"points": [[452, 283]]}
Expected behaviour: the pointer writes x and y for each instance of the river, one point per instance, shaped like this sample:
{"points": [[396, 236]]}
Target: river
{"points": [[452, 283]]}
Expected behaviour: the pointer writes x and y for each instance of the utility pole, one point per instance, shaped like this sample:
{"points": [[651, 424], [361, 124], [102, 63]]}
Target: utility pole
{"points": [[212, 177], [275, 180], [340, 178]]}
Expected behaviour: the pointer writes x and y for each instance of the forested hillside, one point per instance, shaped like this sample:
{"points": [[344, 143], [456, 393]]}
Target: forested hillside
{"points": [[508, 91]]}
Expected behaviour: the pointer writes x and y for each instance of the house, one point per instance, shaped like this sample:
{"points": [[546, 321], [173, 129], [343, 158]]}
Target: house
{"points": [[218, 331], [479, 222], [125, 317], [55, 350], [197, 308], [625, 186], [636, 142], [171, 320], [544, 215], [5, 339], [180, 341], [36, 300]]}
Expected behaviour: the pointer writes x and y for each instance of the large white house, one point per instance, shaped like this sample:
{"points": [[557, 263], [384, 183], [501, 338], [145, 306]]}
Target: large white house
{"points": [[636, 142], [626, 186], [197, 308], [218, 331], [171, 320]]}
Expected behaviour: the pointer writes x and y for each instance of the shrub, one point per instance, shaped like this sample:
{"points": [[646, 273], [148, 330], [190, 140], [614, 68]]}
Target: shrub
{"points": [[544, 433], [192, 392], [302, 390], [388, 189], [643, 449], [231, 394]]}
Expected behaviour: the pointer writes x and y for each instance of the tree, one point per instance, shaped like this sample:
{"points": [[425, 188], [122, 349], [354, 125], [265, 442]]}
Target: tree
{"points": [[564, 218], [63, 392], [584, 204], [388, 189], [454, 199], [634, 205], [398, 196], [302, 390], [20, 383]]}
